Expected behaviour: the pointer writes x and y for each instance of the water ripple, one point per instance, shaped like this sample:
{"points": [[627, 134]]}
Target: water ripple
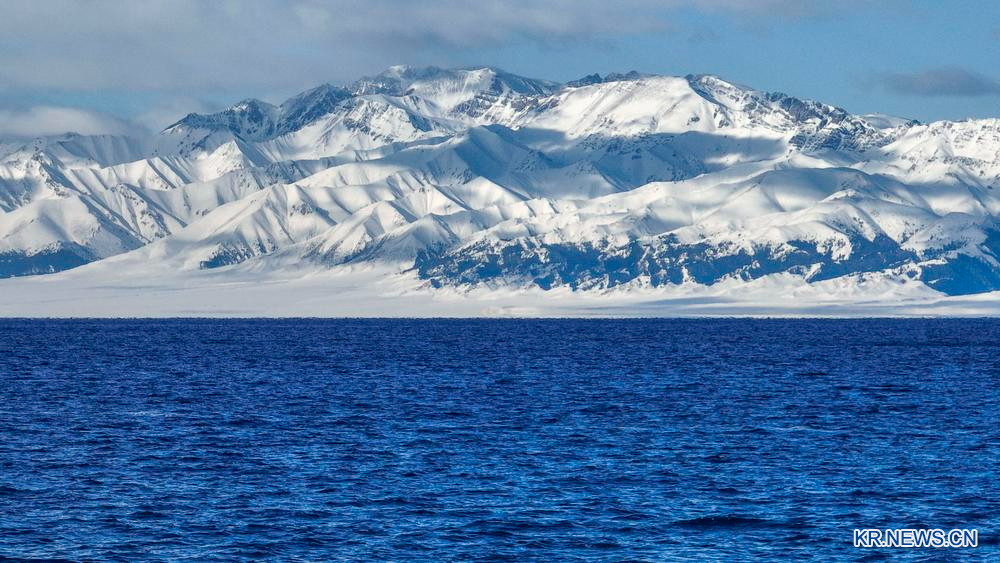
{"points": [[301, 440]]}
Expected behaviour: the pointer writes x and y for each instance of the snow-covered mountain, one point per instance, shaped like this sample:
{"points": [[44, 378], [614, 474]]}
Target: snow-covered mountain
{"points": [[480, 178]]}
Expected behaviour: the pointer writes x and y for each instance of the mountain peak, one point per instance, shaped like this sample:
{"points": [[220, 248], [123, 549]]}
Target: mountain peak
{"points": [[612, 77], [305, 108], [250, 118], [252, 104], [432, 82]]}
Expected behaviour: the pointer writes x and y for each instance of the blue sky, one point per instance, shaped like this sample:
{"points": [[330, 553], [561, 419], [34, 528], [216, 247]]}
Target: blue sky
{"points": [[115, 65]]}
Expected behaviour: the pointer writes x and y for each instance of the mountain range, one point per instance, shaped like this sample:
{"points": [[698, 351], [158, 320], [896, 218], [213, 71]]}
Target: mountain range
{"points": [[473, 178]]}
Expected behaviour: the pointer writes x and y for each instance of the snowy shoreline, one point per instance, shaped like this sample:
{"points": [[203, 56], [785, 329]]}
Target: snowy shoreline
{"points": [[99, 290]]}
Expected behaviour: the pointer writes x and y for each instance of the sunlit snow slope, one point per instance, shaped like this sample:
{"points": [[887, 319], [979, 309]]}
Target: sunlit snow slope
{"points": [[477, 178]]}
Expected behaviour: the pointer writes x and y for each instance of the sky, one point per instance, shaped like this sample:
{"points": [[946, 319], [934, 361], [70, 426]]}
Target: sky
{"points": [[117, 66]]}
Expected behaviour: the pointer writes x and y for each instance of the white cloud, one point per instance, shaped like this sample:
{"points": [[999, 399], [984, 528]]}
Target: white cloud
{"points": [[50, 120], [943, 81], [180, 45]]}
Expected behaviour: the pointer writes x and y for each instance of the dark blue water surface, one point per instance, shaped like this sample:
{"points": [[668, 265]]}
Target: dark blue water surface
{"points": [[302, 440]]}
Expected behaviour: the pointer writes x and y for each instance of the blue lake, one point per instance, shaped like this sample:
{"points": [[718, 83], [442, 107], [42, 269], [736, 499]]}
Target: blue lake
{"points": [[561, 440]]}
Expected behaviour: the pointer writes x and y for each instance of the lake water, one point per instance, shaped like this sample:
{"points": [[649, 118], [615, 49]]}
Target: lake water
{"points": [[493, 440]]}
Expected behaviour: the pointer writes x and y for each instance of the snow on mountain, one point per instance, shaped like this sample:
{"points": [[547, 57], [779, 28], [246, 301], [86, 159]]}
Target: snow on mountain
{"points": [[450, 87], [480, 178], [965, 152]]}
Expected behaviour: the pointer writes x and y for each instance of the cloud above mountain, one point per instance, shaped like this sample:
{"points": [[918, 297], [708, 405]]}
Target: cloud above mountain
{"points": [[125, 58], [53, 120], [163, 45], [944, 81]]}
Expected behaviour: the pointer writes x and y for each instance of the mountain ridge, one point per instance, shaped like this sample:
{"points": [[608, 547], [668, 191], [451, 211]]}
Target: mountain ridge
{"points": [[479, 177]]}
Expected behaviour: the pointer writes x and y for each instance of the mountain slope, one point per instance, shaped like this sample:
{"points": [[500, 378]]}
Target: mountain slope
{"points": [[480, 178]]}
